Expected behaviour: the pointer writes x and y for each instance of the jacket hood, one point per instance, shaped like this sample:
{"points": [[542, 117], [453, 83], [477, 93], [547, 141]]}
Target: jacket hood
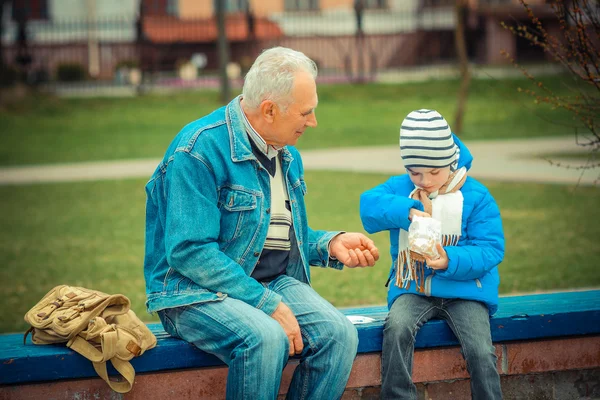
{"points": [[465, 157]]}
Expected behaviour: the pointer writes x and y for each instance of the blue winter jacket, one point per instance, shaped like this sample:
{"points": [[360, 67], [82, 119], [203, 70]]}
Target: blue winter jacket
{"points": [[472, 272], [207, 215]]}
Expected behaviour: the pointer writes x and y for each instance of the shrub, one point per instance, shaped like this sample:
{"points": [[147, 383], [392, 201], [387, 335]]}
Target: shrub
{"points": [[8, 76], [70, 72], [126, 64]]}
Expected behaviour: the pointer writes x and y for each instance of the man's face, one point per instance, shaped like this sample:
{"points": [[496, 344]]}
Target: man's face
{"points": [[430, 179], [290, 124]]}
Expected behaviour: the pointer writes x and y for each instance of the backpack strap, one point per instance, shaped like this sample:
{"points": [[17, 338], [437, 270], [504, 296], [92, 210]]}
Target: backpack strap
{"points": [[124, 368], [27, 334], [99, 358], [91, 352]]}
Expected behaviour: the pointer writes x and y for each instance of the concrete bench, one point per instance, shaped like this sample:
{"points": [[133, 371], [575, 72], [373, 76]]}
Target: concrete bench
{"points": [[536, 337]]}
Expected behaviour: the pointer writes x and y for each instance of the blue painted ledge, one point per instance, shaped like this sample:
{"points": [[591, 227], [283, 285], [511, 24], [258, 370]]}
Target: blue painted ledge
{"points": [[518, 318]]}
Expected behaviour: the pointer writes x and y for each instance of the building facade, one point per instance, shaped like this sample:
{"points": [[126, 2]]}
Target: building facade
{"points": [[351, 38]]}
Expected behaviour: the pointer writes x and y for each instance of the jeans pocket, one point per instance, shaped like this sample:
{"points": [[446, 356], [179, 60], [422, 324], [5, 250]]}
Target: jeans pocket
{"points": [[167, 323]]}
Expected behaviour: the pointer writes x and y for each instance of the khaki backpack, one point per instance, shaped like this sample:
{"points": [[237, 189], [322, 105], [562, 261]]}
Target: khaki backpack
{"points": [[98, 326]]}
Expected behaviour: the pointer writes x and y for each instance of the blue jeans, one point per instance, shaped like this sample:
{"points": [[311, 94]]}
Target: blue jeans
{"points": [[255, 347], [470, 322]]}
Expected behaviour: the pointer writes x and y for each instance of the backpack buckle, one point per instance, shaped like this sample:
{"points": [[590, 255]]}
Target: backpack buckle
{"points": [[134, 348]]}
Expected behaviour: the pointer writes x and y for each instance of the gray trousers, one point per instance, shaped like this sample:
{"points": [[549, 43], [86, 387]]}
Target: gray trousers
{"points": [[470, 322]]}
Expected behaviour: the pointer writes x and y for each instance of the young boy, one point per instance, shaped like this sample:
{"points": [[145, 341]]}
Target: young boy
{"points": [[461, 286]]}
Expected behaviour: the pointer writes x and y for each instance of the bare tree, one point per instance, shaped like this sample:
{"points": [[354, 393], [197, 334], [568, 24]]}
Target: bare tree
{"points": [[223, 50], [2, 2], [460, 9], [577, 47]]}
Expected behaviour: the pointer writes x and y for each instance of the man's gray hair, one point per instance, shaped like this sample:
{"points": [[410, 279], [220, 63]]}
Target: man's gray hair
{"points": [[271, 77]]}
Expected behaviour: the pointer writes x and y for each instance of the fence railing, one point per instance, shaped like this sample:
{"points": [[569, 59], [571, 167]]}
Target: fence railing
{"points": [[170, 52]]}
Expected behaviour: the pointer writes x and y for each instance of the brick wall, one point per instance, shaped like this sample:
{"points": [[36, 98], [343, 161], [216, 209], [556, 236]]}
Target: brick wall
{"points": [[567, 368]]}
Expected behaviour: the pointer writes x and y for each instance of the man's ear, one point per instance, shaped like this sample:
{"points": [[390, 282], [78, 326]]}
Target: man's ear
{"points": [[268, 109]]}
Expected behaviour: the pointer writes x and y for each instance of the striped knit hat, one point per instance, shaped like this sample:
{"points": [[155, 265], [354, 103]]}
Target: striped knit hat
{"points": [[426, 141]]}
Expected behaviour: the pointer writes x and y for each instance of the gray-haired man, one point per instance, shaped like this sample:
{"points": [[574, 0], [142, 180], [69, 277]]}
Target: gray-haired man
{"points": [[228, 246]]}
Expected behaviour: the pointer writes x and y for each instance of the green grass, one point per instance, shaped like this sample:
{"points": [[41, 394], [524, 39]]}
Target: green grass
{"points": [[50, 130], [92, 234]]}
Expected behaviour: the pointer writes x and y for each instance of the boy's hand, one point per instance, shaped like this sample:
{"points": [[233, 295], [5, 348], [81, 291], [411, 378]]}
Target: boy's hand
{"points": [[440, 263], [414, 211]]}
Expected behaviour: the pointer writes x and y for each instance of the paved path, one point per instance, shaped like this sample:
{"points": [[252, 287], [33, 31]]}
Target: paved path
{"points": [[502, 160]]}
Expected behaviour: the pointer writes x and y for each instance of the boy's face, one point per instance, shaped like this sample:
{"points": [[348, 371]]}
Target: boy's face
{"points": [[430, 179]]}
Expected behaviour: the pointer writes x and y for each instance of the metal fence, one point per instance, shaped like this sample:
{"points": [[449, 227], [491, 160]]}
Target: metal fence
{"points": [[128, 54]]}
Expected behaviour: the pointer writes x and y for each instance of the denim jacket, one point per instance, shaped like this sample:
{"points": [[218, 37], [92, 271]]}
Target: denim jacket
{"points": [[207, 216]]}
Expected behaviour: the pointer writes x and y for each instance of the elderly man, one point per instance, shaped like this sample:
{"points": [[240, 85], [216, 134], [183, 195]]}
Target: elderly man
{"points": [[228, 246]]}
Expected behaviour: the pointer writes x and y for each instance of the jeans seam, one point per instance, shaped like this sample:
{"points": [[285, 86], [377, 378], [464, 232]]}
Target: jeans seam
{"points": [[413, 336], [245, 390], [414, 331], [170, 320], [305, 383], [243, 340], [305, 334], [458, 335], [221, 323], [414, 339]]}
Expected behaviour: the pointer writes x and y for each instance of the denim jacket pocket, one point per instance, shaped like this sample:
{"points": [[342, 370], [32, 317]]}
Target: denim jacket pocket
{"points": [[300, 184], [237, 214], [236, 200]]}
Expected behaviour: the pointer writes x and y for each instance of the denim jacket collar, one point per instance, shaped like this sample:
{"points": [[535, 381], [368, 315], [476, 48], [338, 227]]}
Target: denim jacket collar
{"points": [[240, 142]]}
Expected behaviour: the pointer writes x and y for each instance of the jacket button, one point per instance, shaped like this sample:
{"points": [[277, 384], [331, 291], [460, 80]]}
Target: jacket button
{"points": [[219, 294], [256, 254], [268, 211]]}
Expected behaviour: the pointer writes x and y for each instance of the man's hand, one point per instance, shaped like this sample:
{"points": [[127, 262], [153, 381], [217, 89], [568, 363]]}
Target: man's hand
{"points": [[414, 211], [289, 323], [440, 263], [354, 250]]}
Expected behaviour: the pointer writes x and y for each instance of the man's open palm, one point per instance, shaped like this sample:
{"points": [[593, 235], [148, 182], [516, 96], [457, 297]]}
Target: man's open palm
{"points": [[354, 250]]}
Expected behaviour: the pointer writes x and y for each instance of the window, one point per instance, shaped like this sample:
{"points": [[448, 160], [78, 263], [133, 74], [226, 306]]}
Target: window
{"points": [[442, 3], [301, 5], [30, 9], [161, 7], [374, 4], [172, 7], [234, 6]]}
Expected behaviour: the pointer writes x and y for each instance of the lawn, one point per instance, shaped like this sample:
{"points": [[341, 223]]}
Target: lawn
{"points": [[51, 130], [92, 234]]}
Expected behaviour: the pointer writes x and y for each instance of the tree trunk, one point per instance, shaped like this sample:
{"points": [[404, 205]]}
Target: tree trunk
{"points": [[463, 62], [223, 50], [1, 32]]}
